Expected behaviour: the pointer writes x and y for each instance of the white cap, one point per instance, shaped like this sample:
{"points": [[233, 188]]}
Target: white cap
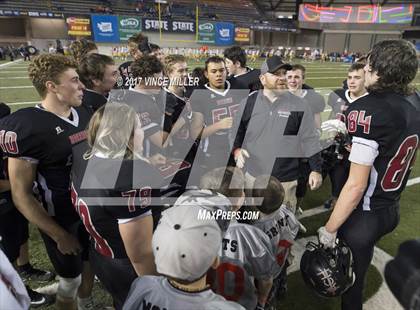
{"points": [[184, 244]]}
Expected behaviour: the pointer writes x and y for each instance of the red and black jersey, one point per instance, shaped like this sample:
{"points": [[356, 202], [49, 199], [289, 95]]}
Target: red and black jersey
{"points": [[339, 100], [108, 192], [385, 130], [215, 106], [47, 140]]}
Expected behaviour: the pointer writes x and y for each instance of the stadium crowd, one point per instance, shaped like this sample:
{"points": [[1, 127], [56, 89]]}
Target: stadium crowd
{"points": [[116, 164]]}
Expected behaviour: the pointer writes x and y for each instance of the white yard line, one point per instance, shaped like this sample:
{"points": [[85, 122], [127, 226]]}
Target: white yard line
{"points": [[14, 77], [413, 181], [10, 63], [23, 103], [16, 87], [14, 71]]}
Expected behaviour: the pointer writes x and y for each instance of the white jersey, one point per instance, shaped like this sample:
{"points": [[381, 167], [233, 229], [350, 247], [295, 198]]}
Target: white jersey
{"points": [[246, 255], [13, 294], [152, 292], [281, 227]]}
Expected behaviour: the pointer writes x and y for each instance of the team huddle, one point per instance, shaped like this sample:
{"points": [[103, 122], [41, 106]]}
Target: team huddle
{"points": [[116, 165]]}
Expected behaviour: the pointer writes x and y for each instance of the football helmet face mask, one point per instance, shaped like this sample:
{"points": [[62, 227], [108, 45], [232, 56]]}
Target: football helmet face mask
{"points": [[328, 271]]}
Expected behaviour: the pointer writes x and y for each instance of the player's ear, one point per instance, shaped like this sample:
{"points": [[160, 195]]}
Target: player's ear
{"points": [[216, 263], [206, 75], [262, 79], [96, 82], [51, 86]]}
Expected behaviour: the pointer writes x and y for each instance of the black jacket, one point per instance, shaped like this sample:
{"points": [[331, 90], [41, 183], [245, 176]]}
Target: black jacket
{"points": [[283, 129]]}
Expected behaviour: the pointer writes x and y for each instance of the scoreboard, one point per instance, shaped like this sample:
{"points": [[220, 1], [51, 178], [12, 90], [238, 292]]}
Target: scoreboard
{"points": [[360, 14]]}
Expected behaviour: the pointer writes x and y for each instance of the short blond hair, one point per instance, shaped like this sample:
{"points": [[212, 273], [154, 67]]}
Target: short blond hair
{"points": [[48, 67], [171, 60]]}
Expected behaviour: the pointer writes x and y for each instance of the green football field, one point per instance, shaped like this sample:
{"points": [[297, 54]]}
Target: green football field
{"points": [[17, 91]]}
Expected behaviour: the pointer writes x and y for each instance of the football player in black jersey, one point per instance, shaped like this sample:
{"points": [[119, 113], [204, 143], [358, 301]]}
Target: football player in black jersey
{"points": [[143, 96], [14, 233], [340, 100], [385, 129], [138, 46], [214, 107], [38, 142], [235, 58], [177, 107], [99, 74], [112, 186]]}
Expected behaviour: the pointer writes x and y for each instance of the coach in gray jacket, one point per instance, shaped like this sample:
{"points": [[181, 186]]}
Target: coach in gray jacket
{"points": [[274, 130]]}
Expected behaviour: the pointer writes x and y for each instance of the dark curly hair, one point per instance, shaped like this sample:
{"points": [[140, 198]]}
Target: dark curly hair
{"points": [[146, 67], [395, 62]]}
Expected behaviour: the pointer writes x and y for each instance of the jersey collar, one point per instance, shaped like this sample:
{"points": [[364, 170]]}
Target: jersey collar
{"points": [[219, 92], [351, 100], [248, 69], [168, 91], [75, 116]]}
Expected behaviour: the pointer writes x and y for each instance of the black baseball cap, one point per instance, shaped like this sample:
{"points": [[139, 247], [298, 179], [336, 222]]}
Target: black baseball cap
{"points": [[274, 63]]}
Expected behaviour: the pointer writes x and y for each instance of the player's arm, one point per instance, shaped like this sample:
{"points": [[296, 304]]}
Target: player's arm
{"points": [[159, 138], [350, 196], [137, 237], [22, 175], [263, 289], [173, 129], [197, 126]]}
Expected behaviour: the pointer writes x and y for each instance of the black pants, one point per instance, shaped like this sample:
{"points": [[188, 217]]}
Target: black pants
{"points": [[361, 231], [115, 274], [68, 266]]}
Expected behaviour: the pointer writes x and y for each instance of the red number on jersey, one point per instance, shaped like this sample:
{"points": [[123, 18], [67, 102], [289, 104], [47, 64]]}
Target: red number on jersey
{"points": [[144, 195], [8, 142], [356, 118], [221, 113], [282, 250], [364, 121], [239, 283], [101, 245], [352, 121], [131, 196], [400, 164]]}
